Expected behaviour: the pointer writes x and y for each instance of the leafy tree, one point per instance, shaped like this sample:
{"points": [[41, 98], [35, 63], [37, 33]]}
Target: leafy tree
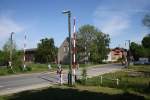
{"points": [[139, 51], [146, 20], [94, 42], [6, 52], [3, 60], [146, 41], [17, 56], [46, 51]]}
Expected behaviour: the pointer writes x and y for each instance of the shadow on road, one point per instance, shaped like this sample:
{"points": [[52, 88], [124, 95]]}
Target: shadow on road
{"points": [[70, 94]]}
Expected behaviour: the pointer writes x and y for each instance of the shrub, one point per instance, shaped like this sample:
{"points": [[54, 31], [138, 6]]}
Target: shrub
{"points": [[84, 76], [29, 68]]}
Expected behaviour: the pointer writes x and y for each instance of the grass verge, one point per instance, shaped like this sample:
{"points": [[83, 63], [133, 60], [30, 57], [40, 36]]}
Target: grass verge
{"points": [[74, 93], [35, 67], [133, 86], [136, 80]]}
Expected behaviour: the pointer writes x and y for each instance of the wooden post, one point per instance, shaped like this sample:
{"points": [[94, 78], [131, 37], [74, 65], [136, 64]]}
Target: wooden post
{"points": [[117, 81], [101, 80]]}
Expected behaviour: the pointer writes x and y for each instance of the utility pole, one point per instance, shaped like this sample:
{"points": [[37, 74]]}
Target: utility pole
{"points": [[70, 54], [24, 55], [11, 43], [85, 53], [129, 54]]}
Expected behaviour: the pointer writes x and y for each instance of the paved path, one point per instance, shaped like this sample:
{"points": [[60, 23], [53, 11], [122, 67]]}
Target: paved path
{"points": [[16, 83]]}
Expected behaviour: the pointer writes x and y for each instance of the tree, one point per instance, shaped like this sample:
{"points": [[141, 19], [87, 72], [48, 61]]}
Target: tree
{"points": [[146, 41], [3, 60], [7, 47], [46, 51], [92, 43], [146, 20], [17, 56], [144, 49], [6, 51], [139, 51]]}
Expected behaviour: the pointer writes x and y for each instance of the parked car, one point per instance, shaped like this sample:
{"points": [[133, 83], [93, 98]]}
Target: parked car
{"points": [[141, 63]]}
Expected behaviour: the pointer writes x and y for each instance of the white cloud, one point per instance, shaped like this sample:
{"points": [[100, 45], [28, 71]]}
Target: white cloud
{"points": [[111, 23], [8, 25], [115, 18]]}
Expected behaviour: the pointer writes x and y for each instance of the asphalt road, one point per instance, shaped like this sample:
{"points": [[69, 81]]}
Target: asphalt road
{"points": [[17, 83]]}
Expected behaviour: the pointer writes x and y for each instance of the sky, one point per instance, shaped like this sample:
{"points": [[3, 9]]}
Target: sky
{"points": [[38, 19]]}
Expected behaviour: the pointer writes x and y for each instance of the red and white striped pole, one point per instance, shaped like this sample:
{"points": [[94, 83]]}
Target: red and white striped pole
{"points": [[24, 56], [74, 47]]}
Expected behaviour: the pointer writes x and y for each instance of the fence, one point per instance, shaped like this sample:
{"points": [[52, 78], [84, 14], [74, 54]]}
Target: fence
{"points": [[117, 80]]}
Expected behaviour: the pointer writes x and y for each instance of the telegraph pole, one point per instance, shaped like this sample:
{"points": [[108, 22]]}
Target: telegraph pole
{"points": [[85, 53], [129, 54], [24, 56], [11, 43], [70, 54]]}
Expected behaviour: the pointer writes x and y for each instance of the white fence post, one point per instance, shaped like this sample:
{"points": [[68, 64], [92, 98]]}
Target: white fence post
{"points": [[117, 81], [101, 79]]}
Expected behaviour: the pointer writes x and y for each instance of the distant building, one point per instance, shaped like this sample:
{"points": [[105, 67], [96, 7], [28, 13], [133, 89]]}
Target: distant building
{"points": [[63, 52], [115, 54], [29, 54]]}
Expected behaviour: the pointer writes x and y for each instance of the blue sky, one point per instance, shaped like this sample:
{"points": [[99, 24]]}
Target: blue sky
{"points": [[121, 19]]}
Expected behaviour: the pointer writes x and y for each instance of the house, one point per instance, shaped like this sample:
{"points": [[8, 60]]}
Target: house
{"points": [[115, 54], [63, 52], [29, 54]]}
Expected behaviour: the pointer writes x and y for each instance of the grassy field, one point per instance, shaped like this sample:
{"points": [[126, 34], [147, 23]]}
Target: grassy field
{"points": [[133, 85], [34, 67], [74, 93], [136, 79], [31, 67]]}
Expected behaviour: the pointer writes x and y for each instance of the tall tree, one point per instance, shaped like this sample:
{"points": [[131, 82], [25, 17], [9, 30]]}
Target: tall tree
{"points": [[46, 51], [146, 41], [6, 50], [7, 46], [138, 51], [146, 20], [93, 42], [17, 56]]}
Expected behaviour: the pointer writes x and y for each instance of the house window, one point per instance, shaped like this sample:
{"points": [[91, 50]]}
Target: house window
{"points": [[65, 49]]}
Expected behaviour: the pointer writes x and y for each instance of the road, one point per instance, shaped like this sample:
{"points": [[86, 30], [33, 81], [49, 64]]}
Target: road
{"points": [[17, 83]]}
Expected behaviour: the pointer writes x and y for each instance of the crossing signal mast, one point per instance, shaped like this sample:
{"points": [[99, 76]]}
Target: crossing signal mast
{"points": [[74, 48], [24, 51]]}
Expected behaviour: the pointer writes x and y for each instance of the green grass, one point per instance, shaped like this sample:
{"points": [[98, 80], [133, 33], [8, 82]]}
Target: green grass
{"points": [[30, 69], [74, 93], [136, 79], [41, 67], [35, 67], [3, 71], [130, 88]]}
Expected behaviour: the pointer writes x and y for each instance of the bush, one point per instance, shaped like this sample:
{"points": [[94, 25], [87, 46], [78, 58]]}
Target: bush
{"points": [[84, 76], [29, 68], [10, 71]]}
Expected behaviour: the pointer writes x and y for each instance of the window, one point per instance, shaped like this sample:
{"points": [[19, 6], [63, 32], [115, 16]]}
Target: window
{"points": [[65, 49]]}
